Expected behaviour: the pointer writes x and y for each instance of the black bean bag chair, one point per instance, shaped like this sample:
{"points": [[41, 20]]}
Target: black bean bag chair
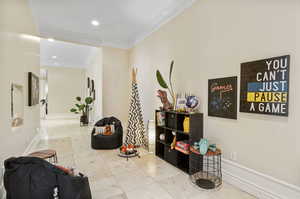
{"points": [[108, 141], [35, 178]]}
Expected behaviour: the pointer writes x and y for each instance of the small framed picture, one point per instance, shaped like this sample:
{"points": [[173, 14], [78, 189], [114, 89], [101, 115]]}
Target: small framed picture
{"points": [[88, 82], [93, 85]]}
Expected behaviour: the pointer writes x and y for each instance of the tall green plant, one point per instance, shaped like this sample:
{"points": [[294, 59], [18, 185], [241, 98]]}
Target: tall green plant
{"points": [[163, 83], [82, 107]]}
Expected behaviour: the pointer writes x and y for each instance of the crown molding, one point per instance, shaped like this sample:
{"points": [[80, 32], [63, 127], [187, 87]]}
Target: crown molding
{"points": [[177, 11]]}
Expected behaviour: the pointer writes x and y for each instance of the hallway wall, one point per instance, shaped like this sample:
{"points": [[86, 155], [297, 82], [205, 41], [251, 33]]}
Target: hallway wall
{"points": [[19, 54], [95, 71], [116, 82], [64, 85], [210, 40]]}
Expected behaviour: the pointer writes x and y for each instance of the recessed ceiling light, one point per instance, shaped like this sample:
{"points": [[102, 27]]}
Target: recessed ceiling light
{"points": [[95, 23], [51, 39], [54, 57]]}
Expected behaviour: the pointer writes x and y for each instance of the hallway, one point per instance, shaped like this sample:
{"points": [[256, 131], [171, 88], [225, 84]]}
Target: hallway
{"points": [[112, 177]]}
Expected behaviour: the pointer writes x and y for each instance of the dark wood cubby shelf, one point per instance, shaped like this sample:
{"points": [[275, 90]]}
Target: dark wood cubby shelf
{"points": [[174, 123]]}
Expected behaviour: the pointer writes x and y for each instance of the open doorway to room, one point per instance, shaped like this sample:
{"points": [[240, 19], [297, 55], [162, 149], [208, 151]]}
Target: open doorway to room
{"points": [[69, 71]]}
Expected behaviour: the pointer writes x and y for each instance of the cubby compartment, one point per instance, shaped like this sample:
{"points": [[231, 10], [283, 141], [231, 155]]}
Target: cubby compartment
{"points": [[180, 120], [171, 120], [160, 150], [171, 155], [159, 132], [180, 157], [169, 137], [183, 162]]}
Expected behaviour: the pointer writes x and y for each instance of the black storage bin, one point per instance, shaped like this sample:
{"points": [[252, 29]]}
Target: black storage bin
{"points": [[170, 155], [171, 120]]}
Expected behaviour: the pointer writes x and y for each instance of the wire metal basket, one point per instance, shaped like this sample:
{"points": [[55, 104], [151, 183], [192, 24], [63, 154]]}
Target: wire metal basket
{"points": [[206, 171]]}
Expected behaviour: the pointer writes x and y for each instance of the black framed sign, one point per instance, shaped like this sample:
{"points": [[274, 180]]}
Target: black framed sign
{"points": [[265, 86], [222, 97]]}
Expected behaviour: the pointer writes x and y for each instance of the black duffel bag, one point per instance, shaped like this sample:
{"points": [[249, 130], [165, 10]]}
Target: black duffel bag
{"points": [[35, 178]]}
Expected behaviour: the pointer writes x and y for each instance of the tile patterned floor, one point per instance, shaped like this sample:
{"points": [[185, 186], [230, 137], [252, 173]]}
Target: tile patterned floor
{"points": [[112, 177]]}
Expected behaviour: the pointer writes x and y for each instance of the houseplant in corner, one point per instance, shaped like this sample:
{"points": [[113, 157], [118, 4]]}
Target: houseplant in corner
{"points": [[83, 108]]}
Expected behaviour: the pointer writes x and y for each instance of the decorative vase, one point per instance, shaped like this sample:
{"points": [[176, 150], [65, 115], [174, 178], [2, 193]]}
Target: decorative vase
{"points": [[186, 124]]}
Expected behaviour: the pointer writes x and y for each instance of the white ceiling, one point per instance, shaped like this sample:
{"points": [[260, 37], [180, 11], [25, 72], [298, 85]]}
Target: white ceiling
{"points": [[65, 54], [122, 22]]}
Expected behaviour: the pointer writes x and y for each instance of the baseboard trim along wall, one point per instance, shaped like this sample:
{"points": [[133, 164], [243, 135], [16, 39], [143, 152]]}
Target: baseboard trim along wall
{"points": [[258, 184]]}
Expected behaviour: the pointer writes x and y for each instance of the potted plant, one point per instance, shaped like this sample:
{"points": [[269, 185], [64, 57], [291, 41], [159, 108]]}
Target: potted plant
{"points": [[83, 108]]}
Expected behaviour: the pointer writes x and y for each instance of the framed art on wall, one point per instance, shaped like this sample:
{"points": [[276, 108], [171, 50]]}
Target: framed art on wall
{"points": [[222, 97], [33, 89], [265, 86]]}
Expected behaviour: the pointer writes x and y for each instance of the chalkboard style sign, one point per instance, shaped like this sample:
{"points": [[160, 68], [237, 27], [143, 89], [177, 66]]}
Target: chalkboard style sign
{"points": [[222, 97], [265, 86]]}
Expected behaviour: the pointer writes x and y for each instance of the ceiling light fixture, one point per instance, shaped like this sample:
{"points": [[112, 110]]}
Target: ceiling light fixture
{"points": [[51, 39], [95, 23], [54, 57]]}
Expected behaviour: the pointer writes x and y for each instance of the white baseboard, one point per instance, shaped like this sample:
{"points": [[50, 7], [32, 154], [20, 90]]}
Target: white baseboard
{"points": [[258, 184]]}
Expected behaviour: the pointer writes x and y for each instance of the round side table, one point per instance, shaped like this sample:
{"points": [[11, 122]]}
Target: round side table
{"points": [[207, 170], [45, 154]]}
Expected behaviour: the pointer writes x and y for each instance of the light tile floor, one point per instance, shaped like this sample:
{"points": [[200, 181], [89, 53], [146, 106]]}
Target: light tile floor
{"points": [[112, 177]]}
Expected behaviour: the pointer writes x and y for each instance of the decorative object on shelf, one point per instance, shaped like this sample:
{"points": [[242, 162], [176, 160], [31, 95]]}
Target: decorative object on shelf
{"points": [[180, 103], [222, 97], [186, 124], [164, 85], [136, 133], [33, 89], [183, 146], [173, 144], [192, 103], [83, 108], [162, 137], [164, 100], [212, 147], [206, 169], [265, 86], [161, 118], [203, 146]]}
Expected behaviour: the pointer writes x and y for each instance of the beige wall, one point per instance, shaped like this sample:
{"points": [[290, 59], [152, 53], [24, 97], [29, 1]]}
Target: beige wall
{"points": [[210, 40], [95, 71], [116, 83], [19, 54], [64, 85]]}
